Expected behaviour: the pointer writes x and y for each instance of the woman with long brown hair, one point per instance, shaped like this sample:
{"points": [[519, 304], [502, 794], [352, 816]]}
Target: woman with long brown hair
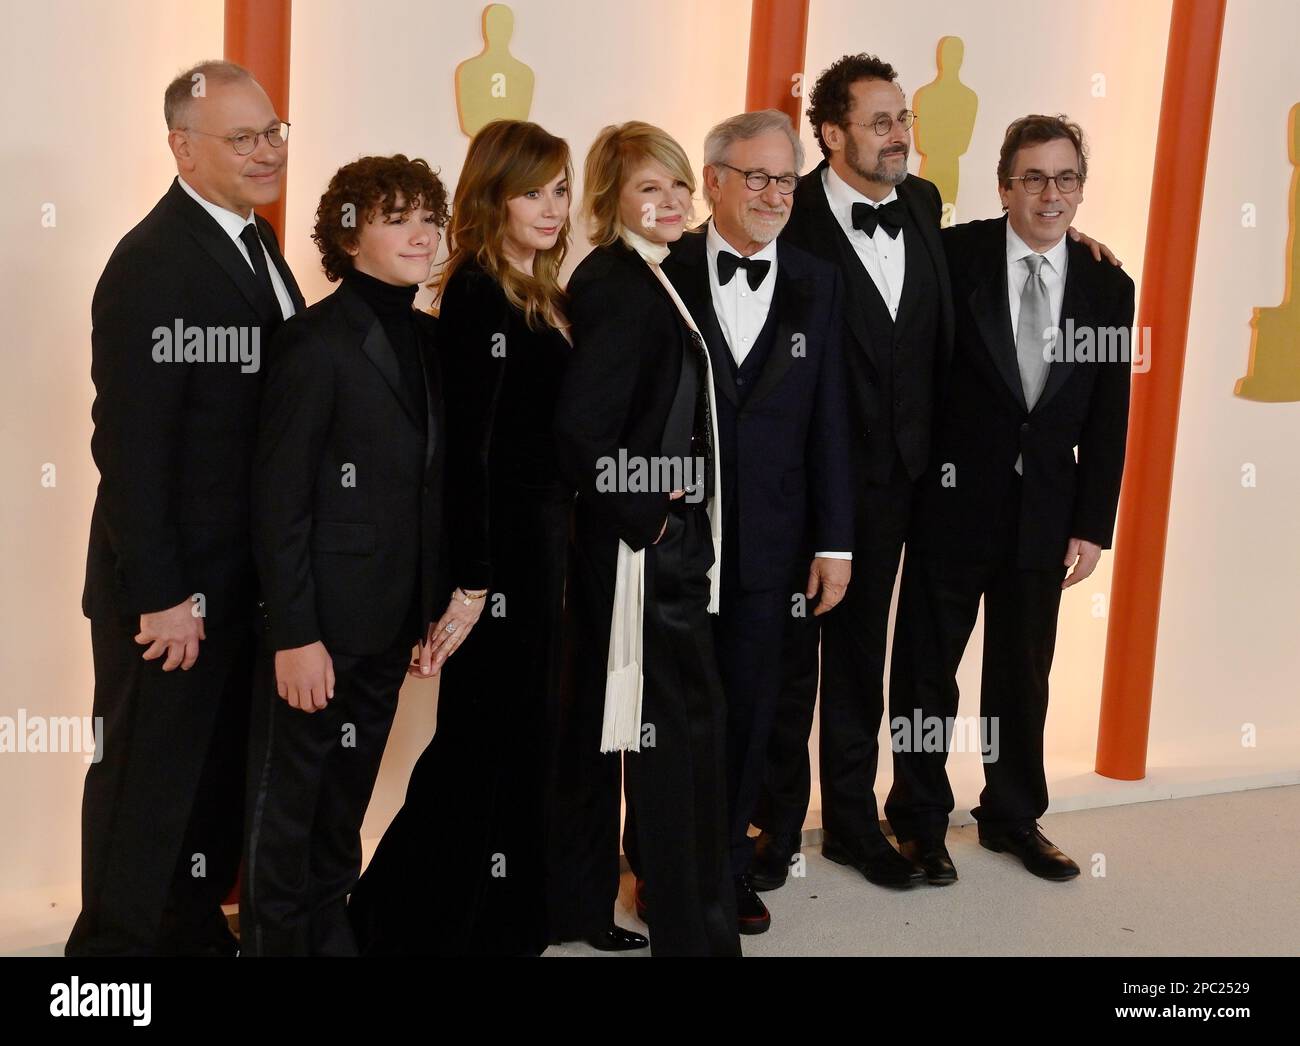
{"points": [[461, 870]]}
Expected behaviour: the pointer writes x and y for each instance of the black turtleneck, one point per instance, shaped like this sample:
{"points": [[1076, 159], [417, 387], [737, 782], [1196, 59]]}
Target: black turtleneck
{"points": [[392, 304]]}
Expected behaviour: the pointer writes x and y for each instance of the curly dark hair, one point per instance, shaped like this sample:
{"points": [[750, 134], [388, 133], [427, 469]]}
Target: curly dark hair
{"points": [[364, 186], [1036, 129], [830, 99]]}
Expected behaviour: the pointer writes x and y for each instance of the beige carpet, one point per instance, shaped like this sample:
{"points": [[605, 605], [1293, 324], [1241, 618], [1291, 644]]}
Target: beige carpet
{"points": [[1212, 875]]}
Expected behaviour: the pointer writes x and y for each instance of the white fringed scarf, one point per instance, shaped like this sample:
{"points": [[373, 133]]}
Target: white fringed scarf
{"points": [[625, 681]]}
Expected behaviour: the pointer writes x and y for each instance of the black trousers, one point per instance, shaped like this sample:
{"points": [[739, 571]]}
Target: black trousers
{"points": [[749, 633], [853, 639], [938, 603], [677, 810], [162, 811], [310, 777]]}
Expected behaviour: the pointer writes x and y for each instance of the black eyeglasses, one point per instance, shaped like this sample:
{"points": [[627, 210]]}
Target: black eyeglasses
{"points": [[245, 141], [757, 180], [882, 125], [1036, 182]]}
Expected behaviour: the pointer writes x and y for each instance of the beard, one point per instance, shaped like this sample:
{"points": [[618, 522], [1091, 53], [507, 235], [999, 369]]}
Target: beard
{"points": [[761, 230], [880, 173]]}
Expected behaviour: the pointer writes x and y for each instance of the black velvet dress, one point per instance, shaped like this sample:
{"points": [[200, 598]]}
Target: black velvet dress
{"points": [[461, 870]]}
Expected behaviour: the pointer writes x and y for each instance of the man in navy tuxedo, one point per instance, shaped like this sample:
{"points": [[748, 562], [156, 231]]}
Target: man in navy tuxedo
{"points": [[770, 316]]}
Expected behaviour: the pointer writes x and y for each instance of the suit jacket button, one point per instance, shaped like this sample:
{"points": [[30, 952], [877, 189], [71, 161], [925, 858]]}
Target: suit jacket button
{"points": [[1024, 426]]}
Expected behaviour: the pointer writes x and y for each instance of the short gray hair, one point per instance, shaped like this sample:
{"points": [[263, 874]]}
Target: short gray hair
{"points": [[718, 142], [182, 91]]}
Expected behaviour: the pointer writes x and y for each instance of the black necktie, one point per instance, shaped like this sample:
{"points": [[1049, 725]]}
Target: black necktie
{"points": [[262, 275], [890, 216], [728, 263]]}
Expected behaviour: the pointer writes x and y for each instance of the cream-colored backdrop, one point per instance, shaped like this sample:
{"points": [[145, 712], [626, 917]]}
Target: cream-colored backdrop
{"points": [[81, 86], [81, 94], [1228, 658]]}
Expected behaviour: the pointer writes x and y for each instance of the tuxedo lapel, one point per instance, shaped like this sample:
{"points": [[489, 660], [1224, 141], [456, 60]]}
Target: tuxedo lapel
{"points": [[920, 229], [379, 350], [432, 386], [1075, 305], [213, 239], [989, 305], [790, 303], [857, 280], [282, 267]]}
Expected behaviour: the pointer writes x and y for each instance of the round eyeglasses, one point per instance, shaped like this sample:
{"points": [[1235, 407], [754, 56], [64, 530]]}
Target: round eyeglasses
{"points": [[244, 142], [1035, 182], [758, 180], [883, 124]]}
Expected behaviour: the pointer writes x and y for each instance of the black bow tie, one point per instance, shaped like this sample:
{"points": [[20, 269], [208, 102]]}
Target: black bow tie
{"points": [[889, 216], [728, 263]]}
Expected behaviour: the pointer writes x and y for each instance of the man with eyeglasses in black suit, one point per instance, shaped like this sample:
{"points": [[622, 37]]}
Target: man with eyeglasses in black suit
{"points": [[181, 320], [1021, 495]]}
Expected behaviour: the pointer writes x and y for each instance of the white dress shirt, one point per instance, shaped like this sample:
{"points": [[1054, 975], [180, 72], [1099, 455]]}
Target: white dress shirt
{"points": [[884, 257], [233, 225], [741, 312], [1053, 274]]}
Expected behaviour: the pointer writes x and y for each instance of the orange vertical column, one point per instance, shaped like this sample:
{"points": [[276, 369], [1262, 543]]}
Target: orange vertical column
{"points": [[1178, 185], [257, 37], [778, 30]]}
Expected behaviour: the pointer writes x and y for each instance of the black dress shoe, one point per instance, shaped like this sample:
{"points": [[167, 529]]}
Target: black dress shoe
{"points": [[752, 915], [1035, 850], [617, 939], [875, 859], [933, 858], [773, 854]]}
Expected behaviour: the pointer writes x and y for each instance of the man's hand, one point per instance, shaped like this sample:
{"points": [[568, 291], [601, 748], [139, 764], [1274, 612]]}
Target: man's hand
{"points": [[1099, 249], [831, 577], [175, 632], [304, 676], [1082, 556]]}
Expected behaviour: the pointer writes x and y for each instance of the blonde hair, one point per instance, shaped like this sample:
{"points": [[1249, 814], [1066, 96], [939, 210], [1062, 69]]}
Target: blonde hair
{"points": [[507, 158], [616, 153]]}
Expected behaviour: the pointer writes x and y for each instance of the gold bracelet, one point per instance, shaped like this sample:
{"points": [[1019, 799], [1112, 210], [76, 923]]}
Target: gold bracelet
{"points": [[471, 598]]}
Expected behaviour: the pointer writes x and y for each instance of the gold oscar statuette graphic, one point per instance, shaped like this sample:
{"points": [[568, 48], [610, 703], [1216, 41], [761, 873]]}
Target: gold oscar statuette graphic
{"points": [[493, 85], [945, 119], [1273, 374]]}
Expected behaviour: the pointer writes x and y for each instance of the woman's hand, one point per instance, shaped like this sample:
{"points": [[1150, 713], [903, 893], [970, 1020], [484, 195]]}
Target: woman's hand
{"points": [[664, 529], [447, 633]]}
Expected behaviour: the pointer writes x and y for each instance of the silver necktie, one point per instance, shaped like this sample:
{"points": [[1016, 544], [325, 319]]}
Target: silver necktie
{"points": [[1031, 339], [1035, 318]]}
